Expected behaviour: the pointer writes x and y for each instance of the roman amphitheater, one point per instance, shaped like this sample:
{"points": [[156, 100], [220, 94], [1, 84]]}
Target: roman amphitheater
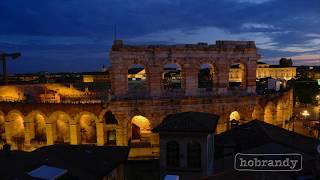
{"points": [[129, 116]]}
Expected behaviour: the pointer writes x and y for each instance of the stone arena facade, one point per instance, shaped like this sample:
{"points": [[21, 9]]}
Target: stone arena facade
{"points": [[127, 119], [189, 59]]}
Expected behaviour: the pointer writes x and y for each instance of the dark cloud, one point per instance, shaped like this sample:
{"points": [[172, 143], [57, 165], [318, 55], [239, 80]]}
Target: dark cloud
{"points": [[59, 31]]}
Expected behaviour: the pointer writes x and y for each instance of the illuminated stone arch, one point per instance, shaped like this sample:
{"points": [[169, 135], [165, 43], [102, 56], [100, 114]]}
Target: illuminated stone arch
{"points": [[270, 113], [61, 126], [111, 127], [87, 123], [234, 115], [14, 124], [35, 122], [258, 112], [112, 130], [140, 129]]}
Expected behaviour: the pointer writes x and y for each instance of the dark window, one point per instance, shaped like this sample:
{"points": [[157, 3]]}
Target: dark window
{"points": [[111, 140], [110, 118], [194, 155], [173, 159]]}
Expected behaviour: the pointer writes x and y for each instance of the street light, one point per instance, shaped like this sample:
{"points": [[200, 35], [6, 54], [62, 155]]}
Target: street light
{"points": [[305, 113], [318, 98]]}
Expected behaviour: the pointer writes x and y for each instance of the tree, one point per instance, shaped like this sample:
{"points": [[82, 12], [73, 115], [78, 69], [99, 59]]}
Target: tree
{"points": [[284, 62]]}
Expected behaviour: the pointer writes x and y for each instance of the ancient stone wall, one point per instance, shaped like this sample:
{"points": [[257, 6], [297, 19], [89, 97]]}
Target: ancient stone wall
{"points": [[189, 58], [70, 123]]}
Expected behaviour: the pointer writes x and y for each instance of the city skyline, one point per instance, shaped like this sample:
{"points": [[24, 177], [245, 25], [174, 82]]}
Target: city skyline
{"points": [[77, 35]]}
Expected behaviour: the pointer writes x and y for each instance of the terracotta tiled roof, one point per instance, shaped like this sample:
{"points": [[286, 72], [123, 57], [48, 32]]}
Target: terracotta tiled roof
{"points": [[188, 122]]}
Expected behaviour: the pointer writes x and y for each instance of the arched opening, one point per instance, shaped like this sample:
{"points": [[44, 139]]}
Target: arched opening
{"points": [[234, 116], [194, 154], [269, 113], [111, 126], [173, 154], [16, 128], [88, 128], [2, 128], [39, 128], [141, 131], [237, 75], [257, 112], [109, 118], [171, 77], [137, 78], [62, 128], [206, 77]]}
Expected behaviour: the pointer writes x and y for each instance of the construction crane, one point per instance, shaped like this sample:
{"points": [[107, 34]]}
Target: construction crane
{"points": [[3, 58]]}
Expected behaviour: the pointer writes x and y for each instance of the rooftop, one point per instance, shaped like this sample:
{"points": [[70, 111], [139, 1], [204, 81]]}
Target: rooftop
{"points": [[188, 122], [261, 134], [81, 161]]}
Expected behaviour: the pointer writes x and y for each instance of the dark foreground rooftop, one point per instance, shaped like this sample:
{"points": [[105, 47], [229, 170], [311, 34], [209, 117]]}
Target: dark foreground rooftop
{"points": [[190, 122], [258, 137], [257, 133], [81, 161]]}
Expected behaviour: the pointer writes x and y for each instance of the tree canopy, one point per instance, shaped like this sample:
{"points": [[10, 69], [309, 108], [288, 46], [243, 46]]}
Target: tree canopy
{"points": [[284, 62]]}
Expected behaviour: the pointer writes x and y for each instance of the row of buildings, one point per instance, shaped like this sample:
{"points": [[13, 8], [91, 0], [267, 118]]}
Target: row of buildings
{"points": [[235, 74]]}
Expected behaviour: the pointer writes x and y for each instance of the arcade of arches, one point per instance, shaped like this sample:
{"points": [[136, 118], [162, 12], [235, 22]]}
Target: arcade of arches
{"points": [[157, 72], [122, 124]]}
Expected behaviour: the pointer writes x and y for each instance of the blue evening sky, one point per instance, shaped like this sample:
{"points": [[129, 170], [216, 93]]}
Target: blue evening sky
{"points": [[76, 35]]}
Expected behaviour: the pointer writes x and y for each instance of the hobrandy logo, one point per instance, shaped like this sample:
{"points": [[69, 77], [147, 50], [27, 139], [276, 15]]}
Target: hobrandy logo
{"points": [[268, 162]]}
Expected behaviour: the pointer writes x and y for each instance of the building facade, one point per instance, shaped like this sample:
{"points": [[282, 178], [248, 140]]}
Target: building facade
{"points": [[264, 71]]}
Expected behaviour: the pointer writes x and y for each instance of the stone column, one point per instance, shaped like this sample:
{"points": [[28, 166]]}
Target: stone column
{"points": [[154, 80], [280, 115], [270, 115], [100, 134], [257, 112], [251, 69], [74, 134], [28, 132], [155, 139], [191, 80], [119, 79], [120, 134], [51, 132], [122, 128], [222, 77], [8, 133]]}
